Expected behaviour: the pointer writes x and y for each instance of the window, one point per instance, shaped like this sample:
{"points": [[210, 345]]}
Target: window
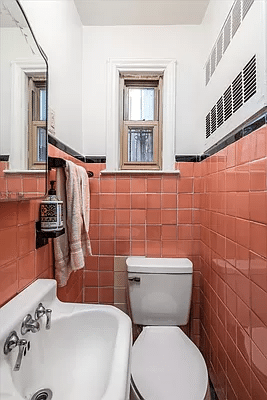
{"points": [[37, 122], [141, 123], [117, 68]]}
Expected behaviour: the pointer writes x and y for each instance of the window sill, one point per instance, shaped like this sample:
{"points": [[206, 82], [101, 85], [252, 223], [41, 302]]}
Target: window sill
{"points": [[24, 171], [139, 172]]}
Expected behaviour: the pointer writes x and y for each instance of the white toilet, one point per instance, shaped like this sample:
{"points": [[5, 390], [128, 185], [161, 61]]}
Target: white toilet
{"points": [[166, 364]]}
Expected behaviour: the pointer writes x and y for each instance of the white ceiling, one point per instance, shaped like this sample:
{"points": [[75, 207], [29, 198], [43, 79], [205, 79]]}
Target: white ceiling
{"points": [[141, 12]]}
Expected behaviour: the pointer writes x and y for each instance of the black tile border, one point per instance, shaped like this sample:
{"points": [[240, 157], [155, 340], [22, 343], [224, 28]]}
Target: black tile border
{"points": [[87, 159], [95, 159], [238, 133], [61, 146], [254, 123], [192, 158], [4, 157]]}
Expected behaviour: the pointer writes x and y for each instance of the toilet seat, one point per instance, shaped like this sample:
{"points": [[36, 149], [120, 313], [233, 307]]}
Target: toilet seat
{"points": [[166, 365]]}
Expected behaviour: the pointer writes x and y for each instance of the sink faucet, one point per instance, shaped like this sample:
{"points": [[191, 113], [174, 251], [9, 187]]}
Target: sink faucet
{"points": [[13, 341], [29, 325], [40, 311]]}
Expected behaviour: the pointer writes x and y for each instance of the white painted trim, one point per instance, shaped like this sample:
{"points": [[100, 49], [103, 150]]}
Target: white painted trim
{"points": [[18, 159], [140, 171], [114, 68], [24, 171]]}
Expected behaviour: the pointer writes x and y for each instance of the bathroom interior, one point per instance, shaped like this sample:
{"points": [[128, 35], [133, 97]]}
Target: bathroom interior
{"points": [[206, 203]]}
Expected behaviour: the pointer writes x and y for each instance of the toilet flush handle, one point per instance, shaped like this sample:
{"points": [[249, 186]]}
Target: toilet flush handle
{"points": [[134, 279]]}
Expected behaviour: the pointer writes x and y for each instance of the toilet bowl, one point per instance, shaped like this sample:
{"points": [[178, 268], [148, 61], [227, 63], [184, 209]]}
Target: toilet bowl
{"points": [[166, 364]]}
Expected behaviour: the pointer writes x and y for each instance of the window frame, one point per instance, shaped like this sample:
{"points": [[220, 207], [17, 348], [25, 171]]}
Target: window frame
{"points": [[21, 70], [35, 84], [156, 66], [129, 81]]}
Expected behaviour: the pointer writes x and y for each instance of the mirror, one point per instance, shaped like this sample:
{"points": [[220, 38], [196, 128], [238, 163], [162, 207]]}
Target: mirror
{"points": [[23, 107]]}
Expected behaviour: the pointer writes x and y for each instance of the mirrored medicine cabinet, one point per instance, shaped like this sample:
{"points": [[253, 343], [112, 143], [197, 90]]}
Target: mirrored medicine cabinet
{"points": [[23, 107]]}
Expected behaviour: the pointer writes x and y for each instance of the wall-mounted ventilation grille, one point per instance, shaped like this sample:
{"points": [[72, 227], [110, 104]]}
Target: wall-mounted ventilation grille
{"points": [[220, 112], [227, 33], [246, 6], [249, 76], [236, 17], [219, 49], [233, 21], [243, 87], [227, 101], [213, 60], [237, 92]]}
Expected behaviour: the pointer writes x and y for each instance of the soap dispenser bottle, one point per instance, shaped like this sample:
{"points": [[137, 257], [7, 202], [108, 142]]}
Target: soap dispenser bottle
{"points": [[51, 211]]}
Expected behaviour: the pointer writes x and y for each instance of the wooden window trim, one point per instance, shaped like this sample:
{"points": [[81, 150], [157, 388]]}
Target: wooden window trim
{"points": [[35, 84]]}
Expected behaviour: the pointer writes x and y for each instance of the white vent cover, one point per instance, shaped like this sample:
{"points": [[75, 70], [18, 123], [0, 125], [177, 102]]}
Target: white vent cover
{"points": [[246, 6], [233, 21], [236, 17], [243, 87]]}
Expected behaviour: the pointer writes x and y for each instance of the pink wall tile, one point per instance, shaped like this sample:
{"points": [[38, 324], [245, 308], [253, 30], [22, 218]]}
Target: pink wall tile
{"points": [[215, 214], [242, 222]]}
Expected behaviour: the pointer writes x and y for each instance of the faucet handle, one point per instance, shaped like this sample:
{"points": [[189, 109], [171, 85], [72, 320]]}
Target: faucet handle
{"points": [[11, 342], [48, 318], [22, 343], [29, 324], [39, 312]]}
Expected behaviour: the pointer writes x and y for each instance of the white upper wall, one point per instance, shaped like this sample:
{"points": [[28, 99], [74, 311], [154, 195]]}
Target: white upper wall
{"points": [[77, 69], [182, 43], [58, 29]]}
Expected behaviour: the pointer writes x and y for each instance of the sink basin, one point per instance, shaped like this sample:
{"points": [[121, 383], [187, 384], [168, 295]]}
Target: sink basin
{"points": [[85, 354]]}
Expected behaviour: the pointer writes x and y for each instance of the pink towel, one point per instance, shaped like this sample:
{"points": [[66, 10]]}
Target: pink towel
{"points": [[71, 249]]}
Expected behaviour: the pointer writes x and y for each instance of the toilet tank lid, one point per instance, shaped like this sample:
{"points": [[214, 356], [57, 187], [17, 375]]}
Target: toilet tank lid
{"points": [[148, 265]]}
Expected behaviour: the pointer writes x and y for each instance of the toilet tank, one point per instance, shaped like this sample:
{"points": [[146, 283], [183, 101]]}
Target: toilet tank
{"points": [[159, 290]]}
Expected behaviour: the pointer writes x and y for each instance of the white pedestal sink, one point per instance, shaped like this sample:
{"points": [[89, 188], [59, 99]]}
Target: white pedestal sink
{"points": [[85, 354]]}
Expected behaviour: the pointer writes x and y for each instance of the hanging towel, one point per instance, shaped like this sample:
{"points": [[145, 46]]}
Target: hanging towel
{"points": [[70, 252], [61, 243]]}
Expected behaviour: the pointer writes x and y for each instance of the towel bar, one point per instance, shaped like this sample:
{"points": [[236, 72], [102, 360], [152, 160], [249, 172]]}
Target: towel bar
{"points": [[56, 162]]}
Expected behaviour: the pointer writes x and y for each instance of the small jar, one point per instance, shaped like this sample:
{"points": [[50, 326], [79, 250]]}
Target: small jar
{"points": [[51, 211]]}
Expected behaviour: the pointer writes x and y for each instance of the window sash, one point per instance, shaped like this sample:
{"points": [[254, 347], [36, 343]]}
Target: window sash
{"points": [[126, 164], [34, 148], [155, 125], [34, 123]]}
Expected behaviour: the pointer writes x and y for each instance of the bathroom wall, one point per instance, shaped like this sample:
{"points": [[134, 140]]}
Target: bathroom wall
{"points": [[20, 262], [136, 215], [215, 209], [140, 215], [58, 29], [230, 190], [214, 213]]}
